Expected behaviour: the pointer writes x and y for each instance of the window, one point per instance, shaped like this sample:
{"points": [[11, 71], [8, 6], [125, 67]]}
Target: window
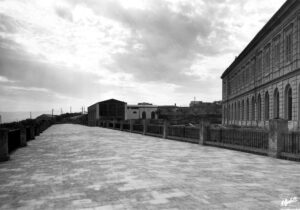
{"points": [[239, 111], [248, 74], [288, 102], [267, 59], [253, 108], [144, 115], [230, 112], [229, 86], [153, 115], [288, 43], [259, 66], [267, 105], [252, 71], [243, 111], [235, 111], [276, 51], [276, 104], [247, 109], [259, 108]]}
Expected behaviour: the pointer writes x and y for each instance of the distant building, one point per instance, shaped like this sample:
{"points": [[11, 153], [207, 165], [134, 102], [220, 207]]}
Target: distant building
{"points": [[144, 103], [106, 110], [141, 111], [207, 107], [263, 82], [211, 112]]}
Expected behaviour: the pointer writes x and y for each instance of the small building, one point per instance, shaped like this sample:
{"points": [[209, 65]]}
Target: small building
{"points": [[141, 111], [111, 109]]}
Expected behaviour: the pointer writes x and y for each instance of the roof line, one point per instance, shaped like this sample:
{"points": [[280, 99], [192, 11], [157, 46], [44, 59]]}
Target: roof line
{"points": [[261, 34]]}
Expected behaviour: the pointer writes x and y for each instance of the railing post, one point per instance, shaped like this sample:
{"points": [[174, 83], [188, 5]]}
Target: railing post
{"points": [[204, 129], [23, 142], [278, 127], [145, 124], [131, 125], [121, 125], [37, 129], [165, 133], [32, 133], [4, 156]]}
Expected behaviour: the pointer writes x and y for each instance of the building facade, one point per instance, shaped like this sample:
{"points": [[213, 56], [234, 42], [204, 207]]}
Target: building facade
{"points": [[141, 112], [106, 110], [263, 82]]}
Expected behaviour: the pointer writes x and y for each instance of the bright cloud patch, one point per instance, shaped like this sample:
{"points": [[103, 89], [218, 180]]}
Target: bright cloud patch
{"points": [[79, 52]]}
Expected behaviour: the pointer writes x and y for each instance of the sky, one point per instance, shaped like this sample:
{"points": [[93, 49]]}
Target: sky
{"points": [[60, 53]]}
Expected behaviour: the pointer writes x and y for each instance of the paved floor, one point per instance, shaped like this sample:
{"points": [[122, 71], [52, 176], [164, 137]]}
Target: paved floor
{"points": [[77, 167]]}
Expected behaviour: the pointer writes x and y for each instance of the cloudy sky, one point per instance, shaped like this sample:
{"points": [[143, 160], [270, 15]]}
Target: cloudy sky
{"points": [[61, 53]]}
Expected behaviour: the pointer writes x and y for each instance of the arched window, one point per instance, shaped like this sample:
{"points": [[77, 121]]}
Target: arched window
{"points": [[152, 115], [239, 111], [259, 107], [267, 106], [235, 112], [232, 112], [247, 109], [276, 104], [253, 108], [243, 110], [288, 102], [144, 115]]}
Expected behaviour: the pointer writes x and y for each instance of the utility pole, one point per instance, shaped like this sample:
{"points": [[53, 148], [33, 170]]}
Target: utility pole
{"points": [[52, 112], [70, 109]]}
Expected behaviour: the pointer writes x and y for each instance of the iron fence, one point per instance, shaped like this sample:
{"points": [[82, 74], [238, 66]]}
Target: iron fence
{"points": [[291, 142], [126, 126], [155, 129], [190, 134], [137, 127], [241, 137]]}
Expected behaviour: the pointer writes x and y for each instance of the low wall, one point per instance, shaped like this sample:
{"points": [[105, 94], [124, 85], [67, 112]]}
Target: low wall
{"points": [[14, 138], [275, 142]]}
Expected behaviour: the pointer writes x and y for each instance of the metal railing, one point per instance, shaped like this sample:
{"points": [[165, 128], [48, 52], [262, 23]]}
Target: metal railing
{"points": [[155, 129], [138, 128], [190, 134], [126, 126], [291, 142], [244, 138]]}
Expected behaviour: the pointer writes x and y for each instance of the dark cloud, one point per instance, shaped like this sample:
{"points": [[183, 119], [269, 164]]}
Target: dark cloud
{"points": [[28, 71], [7, 24], [64, 13], [169, 41], [163, 44]]}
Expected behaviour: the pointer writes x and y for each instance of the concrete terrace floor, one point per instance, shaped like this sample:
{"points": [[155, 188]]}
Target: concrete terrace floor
{"points": [[78, 167]]}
